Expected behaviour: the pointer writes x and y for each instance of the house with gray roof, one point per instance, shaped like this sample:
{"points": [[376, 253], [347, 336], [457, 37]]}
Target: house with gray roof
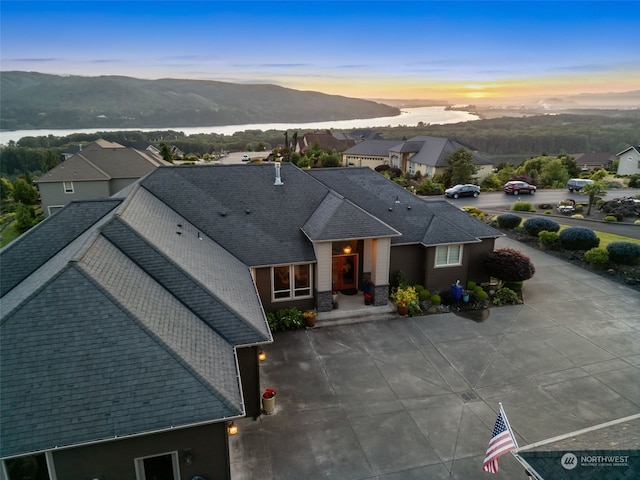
{"points": [[97, 170], [125, 348], [421, 154], [130, 326]]}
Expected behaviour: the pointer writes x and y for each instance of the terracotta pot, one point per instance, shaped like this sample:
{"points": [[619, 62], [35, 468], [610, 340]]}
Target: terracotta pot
{"points": [[310, 321], [403, 310]]}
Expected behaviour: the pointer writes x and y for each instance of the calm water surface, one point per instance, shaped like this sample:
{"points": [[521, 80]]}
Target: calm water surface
{"points": [[408, 117]]}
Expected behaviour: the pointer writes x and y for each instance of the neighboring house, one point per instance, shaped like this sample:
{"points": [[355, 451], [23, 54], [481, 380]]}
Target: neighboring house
{"points": [[358, 135], [131, 326], [129, 340], [99, 170], [326, 141], [593, 160], [629, 161], [421, 154]]}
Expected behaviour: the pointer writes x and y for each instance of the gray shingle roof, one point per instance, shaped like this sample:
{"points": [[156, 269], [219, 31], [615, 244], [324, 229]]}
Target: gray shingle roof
{"points": [[93, 372], [129, 328], [376, 148], [29, 252], [103, 161], [411, 216], [338, 219], [240, 208]]}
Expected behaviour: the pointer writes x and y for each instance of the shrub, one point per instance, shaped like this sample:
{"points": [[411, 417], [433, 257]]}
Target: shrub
{"points": [[481, 295], [436, 299], [578, 238], [624, 253], [577, 215], [548, 239], [547, 212], [505, 296], [429, 187], [471, 285], [285, 319], [535, 225], [523, 207], [610, 218], [597, 256], [509, 265], [515, 286], [509, 220], [424, 295], [637, 222]]}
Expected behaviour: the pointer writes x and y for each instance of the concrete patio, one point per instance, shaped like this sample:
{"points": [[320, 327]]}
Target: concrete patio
{"points": [[416, 398]]}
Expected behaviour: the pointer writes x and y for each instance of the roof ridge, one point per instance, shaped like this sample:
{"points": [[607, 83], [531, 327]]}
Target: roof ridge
{"points": [[159, 340]]}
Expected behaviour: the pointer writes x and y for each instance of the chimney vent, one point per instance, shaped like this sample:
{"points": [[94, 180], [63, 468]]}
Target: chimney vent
{"points": [[278, 178]]}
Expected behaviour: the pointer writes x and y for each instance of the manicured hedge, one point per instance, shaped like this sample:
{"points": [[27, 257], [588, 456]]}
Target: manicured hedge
{"points": [[624, 253], [578, 238], [533, 226], [509, 221]]}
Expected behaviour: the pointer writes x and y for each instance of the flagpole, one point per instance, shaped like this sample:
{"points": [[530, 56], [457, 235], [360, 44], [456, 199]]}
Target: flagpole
{"points": [[506, 420]]}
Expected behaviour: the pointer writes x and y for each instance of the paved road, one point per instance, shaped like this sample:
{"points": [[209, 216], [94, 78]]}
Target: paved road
{"points": [[498, 202]]}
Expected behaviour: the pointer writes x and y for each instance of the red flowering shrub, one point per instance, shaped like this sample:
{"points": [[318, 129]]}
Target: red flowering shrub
{"points": [[509, 265]]}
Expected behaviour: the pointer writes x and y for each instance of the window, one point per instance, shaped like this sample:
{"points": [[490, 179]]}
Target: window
{"points": [[412, 168], [291, 281], [68, 187], [448, 255], [158, 467]]}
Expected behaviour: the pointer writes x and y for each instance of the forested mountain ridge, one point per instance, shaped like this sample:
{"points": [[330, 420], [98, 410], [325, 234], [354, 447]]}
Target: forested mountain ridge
{"points": [[35, 100]]}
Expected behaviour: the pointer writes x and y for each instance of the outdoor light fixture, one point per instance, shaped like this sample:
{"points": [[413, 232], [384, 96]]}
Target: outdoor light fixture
{"points": [[187, 457], [261, 355], [347, 249], [232, 428]]}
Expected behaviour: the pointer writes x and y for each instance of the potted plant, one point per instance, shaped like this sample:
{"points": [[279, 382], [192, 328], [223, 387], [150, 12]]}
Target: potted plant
{"points": [[310, 318], [404, 295], [367, 298]]}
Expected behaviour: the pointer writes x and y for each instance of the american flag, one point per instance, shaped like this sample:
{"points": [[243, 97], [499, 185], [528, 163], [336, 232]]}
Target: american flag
{"points": [[501, 442]]}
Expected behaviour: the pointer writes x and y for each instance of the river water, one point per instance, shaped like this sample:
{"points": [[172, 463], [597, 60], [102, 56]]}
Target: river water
{"points": [[407, 117]]}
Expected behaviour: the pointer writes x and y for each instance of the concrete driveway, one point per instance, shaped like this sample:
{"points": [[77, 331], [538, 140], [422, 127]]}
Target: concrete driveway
{"points": [[416, 398]]}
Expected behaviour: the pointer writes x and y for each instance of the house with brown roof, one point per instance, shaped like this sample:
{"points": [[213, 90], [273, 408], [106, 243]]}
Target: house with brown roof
{"points": [[326, 141], [98, 170], [594, 160]]}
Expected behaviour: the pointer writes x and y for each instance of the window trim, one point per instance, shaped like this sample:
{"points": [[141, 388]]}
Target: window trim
{"points": [[458, 263], [292, 287], [64, 187]]}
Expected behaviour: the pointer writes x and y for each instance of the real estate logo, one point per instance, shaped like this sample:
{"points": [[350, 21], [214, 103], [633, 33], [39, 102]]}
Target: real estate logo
{"points": [[569, 461]]}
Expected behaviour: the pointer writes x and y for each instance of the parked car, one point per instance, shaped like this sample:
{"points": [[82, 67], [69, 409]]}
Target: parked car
{"points": [[466, 190], [575, 184], [517, 187], [245, 158]]}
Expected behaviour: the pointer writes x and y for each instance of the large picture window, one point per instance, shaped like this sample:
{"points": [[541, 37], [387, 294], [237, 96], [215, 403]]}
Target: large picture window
{"points": [[448, 255], [291, 281]]}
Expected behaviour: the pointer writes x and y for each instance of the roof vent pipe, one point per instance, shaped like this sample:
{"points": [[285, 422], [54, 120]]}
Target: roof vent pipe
{"points": [[278, 178]]}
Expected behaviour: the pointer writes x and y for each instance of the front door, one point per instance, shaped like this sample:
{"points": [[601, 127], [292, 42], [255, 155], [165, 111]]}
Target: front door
{"points": [[344, 271]]}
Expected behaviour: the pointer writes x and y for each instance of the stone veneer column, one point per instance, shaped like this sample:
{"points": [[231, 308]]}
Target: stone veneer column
{"points": [[324, 301], [380, 295]]}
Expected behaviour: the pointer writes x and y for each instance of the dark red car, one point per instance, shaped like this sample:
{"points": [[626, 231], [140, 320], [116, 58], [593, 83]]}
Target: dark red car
{"points": [[517, 187]]}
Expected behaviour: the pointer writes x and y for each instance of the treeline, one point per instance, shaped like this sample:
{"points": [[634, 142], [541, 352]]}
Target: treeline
{"points": [[501, 139]]}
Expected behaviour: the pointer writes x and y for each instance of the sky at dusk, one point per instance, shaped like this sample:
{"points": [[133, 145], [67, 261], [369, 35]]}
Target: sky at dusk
{"points": [[454, 50]]}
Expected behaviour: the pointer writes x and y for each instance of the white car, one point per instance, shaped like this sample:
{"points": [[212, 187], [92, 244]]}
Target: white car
{"points": [[245, 158]]}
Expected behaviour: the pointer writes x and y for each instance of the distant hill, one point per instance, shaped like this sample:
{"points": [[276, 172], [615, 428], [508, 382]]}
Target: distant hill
{"points": [[35, 100]]}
